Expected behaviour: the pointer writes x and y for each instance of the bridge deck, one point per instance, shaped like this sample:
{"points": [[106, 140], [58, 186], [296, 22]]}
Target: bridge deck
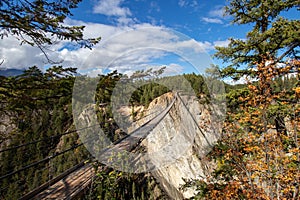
{"points": [[68, 187], [76, 181]]}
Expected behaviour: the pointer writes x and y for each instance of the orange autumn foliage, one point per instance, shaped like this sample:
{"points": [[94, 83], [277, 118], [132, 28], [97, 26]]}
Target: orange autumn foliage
{"points": [[256, 160]]}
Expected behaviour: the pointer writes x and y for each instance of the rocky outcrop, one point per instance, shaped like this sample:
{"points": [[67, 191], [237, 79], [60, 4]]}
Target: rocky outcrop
{"points": [[7, 126], [177, 144]]}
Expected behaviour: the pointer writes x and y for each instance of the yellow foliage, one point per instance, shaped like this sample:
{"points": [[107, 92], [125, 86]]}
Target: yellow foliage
{"points": [[297, 91]]}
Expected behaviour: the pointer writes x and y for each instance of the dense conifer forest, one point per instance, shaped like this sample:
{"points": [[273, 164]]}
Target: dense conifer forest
{"points": [[38, 106]]}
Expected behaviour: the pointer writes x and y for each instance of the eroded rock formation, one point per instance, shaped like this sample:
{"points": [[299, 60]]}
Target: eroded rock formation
{"points": [[178, 143]]}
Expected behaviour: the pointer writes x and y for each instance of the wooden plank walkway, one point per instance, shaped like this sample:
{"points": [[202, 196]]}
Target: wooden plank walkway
{"points": [[73, 182], [69, 187]]}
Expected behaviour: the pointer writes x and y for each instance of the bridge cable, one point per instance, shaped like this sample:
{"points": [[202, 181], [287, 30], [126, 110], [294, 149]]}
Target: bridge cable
{"points": [[201, 131], [44, 160], [44, 139], [58, 135], [49, 157]]}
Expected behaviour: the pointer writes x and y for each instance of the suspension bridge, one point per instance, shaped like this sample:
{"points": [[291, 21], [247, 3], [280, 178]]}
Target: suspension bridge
{"points": [[75, 181]]}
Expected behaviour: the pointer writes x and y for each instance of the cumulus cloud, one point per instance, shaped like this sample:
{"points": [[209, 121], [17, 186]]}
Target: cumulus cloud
{"points": [[131, 48], [125, 48], [111, 8], [173, 69], [215, 15], [217, 12], [23, 56], [212, 20], [221, 43]]}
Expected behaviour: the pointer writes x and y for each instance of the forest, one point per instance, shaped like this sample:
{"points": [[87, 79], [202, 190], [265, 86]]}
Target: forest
{"points": [[39, 105]]}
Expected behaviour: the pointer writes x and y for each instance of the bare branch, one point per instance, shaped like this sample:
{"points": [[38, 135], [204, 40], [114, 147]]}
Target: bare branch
{"points": [[291, 48]]}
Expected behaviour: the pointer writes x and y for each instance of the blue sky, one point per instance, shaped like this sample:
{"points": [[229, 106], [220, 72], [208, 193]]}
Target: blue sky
{"points": [[201, 20], [138, 34]]}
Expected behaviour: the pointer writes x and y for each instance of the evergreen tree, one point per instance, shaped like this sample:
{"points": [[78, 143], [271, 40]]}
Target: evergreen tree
{"points": [[257, 157], [272, 38], [33, 22]]}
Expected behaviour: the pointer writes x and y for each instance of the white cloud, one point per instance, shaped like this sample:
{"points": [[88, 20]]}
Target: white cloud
{"points": [[182, 3], [212, 20], [215, 15], [125, 48], [173, 69], [132, 48], [217, 12], [198, 47], [126, 20], [221, 43], [94, 72], [111, 8], [188, 3], [23, 56], [243, 80]]}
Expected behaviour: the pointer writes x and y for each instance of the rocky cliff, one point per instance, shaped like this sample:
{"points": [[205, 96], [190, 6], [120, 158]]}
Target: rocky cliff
{"points": [[7, 126], [175, 147], [177, 144]]}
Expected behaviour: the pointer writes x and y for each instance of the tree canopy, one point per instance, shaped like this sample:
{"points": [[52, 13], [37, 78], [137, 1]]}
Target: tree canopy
{"points": [[273, 37], [257, 155], [40, 22]]}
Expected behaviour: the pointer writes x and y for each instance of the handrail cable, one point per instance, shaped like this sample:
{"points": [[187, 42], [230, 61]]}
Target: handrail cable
{"points": [[53, 155], [45, 139], [54, 136], [45, 159], [201, 131]]}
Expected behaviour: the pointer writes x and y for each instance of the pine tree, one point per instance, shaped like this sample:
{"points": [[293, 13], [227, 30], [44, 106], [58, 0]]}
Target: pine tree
{"points": [[34, 21], [257, 157], [273, 37]]}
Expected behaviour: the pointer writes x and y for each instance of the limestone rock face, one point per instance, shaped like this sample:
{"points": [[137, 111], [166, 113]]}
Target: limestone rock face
{"points": [[7, 125], [176, 145]]}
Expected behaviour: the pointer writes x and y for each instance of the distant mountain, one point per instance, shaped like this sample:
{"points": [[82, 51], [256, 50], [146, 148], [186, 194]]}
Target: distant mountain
{"points": [[11, 72], [17, 72]]}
